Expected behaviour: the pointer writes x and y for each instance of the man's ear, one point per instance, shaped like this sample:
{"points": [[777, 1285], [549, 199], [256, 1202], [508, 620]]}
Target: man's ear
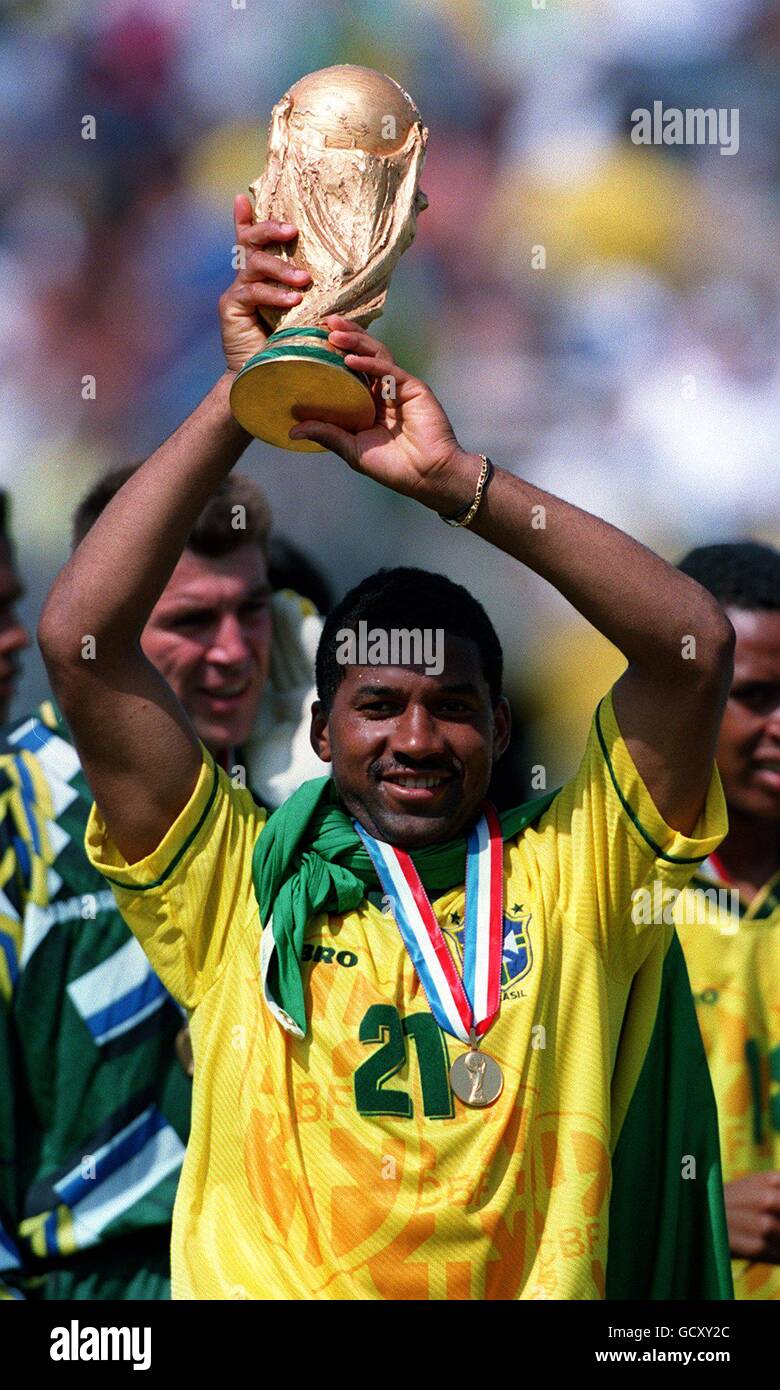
{"points": [[502, 728], [319, 733]]}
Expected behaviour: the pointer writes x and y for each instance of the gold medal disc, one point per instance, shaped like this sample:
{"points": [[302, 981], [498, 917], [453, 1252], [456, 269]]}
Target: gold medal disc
{"points": [[476, 1079]]}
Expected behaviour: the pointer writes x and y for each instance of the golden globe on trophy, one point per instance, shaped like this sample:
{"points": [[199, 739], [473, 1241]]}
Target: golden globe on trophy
{"points": [[345, 152]]}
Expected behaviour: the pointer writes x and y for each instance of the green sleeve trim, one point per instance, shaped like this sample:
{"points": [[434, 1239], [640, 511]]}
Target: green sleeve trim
{"points": [[178, 856], [657, 851], [764, 907]]}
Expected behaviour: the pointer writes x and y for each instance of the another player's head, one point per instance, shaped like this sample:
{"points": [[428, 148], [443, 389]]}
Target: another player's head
{"points": [[209, 634], [412, 743], [13, 636], [745, 578]]}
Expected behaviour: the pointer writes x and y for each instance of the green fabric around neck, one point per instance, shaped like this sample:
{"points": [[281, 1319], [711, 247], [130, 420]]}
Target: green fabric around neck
{"points": [[310, 859]]}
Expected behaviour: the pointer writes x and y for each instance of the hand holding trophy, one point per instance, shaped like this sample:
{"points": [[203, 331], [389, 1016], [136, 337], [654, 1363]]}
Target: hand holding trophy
{"points": [[345, 153]]}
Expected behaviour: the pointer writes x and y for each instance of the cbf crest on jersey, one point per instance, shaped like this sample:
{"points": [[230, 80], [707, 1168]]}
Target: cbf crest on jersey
{"points": [[517, 956]]}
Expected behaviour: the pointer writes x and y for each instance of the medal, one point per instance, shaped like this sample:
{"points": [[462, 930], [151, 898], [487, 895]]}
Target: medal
{"points": [[464, 1008], [475, 1078]]}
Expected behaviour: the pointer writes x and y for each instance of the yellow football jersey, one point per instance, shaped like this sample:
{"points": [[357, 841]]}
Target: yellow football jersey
{"points": [[339, 1166], [733, 956]]}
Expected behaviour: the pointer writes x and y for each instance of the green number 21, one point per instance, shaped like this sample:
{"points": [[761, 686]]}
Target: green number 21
{"points": [[383, 1024]]}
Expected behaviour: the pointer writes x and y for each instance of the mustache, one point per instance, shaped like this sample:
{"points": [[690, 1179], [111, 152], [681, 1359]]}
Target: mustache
{"points": [[380, 769]]}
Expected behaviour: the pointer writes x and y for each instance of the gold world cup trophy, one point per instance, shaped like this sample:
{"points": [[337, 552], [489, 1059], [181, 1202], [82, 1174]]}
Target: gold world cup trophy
{"points": [[345, 152]]}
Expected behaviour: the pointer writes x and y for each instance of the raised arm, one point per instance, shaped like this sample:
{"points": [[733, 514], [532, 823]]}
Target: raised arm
{"points": [[137, 746], [675, 637]]}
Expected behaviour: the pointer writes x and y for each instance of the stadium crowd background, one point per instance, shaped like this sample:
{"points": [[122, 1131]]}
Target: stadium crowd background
{"points": [[635, 374]]}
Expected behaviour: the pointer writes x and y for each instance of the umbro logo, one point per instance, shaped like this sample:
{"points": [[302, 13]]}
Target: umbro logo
{"points": [[327, 955]]}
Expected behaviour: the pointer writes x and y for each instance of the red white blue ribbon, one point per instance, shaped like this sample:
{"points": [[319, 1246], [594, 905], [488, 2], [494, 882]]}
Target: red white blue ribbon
{"points": [[465, 1008]]}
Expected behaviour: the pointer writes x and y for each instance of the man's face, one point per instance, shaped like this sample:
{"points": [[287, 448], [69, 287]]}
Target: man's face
{"points": [[210, 636], [749, 741], [13, 636], [412, 754]]}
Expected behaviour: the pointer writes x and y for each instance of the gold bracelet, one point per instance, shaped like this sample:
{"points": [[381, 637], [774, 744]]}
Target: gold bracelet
{"points": [[465, 518]]}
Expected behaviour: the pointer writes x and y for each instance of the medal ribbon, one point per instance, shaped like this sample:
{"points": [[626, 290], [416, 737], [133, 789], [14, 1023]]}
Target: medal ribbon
{"points": [[464, 1007]]}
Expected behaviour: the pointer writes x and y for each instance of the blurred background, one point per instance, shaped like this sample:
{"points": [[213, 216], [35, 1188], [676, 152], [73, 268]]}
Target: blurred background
{"points": [[600, 317]]}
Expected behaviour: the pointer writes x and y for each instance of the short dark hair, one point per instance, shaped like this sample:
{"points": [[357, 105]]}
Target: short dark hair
{"points": [[215, 532], [403, 598], [740, 574]]}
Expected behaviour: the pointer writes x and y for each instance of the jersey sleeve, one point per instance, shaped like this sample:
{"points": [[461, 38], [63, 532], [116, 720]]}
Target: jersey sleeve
{"points": [[612, 865], [189, 901], [10, 1206], [13, 890]]}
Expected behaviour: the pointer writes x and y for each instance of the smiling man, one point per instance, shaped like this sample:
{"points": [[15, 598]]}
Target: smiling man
{"points": [[733, 949], [418, 798], [209, 634], [374, 1114]]}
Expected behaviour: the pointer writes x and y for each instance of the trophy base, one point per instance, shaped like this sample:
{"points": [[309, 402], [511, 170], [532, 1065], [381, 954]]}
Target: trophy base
{"points": [[293, 380]]}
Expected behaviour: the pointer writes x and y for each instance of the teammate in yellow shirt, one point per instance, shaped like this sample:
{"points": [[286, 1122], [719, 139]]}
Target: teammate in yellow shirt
{"points": [[393, 1099], [729, 918]]}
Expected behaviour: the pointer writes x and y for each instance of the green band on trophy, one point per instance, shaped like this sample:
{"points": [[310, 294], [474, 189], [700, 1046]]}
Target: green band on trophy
{"points": [[319, 354], [292, 332], [345, 152]]}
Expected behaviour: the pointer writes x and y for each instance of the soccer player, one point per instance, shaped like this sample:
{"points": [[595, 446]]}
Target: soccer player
{"points": [[94, 1105], [729, 917], [376, 1114]]}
